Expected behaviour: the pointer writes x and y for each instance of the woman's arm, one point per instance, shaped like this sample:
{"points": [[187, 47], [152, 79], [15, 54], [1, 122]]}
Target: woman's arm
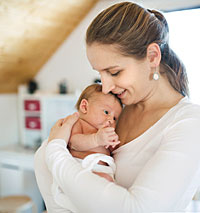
{"points": [[45, 180], [159, 186], [43, 175]]}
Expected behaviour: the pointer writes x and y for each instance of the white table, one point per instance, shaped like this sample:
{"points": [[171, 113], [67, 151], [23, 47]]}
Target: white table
{"points": [[17, 173], [17, 156]]}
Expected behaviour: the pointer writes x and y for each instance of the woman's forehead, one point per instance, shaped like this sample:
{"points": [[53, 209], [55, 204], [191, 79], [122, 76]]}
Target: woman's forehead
{"points": [[103, 56]]}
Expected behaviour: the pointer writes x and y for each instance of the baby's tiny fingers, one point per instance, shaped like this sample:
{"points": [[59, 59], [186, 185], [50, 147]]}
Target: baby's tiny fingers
{"points": [[115, 144], [113, 138], [109, 129]]}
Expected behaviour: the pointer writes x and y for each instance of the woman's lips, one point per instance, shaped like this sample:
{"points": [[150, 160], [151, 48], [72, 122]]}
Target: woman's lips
{"points": [[122, 94]]}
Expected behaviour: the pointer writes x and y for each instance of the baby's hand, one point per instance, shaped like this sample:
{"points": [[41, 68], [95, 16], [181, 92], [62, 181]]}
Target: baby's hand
{"points": [[107, 137]]}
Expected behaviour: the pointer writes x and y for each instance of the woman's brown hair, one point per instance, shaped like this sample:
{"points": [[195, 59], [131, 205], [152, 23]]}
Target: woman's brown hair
{"points": [[132, 28]]}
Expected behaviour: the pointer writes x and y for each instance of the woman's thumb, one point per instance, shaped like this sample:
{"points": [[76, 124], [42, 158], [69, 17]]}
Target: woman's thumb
{"points": [[71, 120]]}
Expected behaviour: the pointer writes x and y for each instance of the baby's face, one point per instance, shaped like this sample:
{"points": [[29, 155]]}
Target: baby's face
{"points": [[103, 110]]}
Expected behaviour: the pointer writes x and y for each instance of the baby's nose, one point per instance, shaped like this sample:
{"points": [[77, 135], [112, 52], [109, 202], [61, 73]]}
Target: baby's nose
{"points": [[111, 122]]}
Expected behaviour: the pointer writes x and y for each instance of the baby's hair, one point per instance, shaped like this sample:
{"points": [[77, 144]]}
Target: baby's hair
{"points": [[90, 91]]}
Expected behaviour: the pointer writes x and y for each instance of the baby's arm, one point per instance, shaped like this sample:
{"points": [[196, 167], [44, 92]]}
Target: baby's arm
{"points": [[86, 141], [103, 137], [79, 141]]}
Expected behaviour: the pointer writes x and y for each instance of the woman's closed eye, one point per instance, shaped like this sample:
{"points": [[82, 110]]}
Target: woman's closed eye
{"points": [[115, 73]]}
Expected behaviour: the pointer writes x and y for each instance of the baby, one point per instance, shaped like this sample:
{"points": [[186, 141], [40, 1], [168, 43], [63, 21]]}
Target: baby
{"points": [[95, 130], [92, 137]]}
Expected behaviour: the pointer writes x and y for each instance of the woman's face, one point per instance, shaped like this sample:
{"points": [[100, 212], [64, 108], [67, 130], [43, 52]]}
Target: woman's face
{"points": [[127, 77]]}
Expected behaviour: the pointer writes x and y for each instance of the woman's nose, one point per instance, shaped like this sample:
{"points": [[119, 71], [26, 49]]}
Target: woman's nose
{"points": [[107, 84]]}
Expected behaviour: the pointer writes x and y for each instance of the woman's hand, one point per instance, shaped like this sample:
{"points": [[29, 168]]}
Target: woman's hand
{"points": [[62, 128]]}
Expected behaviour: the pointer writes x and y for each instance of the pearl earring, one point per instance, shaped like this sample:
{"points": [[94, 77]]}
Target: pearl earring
{"points": [[156, 76]]}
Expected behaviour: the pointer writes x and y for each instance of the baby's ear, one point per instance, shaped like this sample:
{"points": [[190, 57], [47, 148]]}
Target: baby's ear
{"points": [[84, 106]]}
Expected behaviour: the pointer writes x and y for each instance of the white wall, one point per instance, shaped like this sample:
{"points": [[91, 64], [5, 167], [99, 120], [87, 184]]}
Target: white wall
{"points": [[69, 62], [8, 119]]}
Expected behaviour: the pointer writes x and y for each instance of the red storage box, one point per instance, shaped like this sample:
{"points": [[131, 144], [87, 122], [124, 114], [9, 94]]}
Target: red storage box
{"points": [[32, 123], [32, 105]]}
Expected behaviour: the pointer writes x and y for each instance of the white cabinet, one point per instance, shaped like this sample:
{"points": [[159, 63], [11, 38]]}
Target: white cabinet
{"points": [[38, 113]]}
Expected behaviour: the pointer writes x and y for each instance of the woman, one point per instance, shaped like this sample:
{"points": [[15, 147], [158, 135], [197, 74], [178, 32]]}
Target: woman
{"points": [[158, 164]]}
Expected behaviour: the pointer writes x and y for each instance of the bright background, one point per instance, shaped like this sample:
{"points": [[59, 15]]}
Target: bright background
{"points": [[185, 41]]}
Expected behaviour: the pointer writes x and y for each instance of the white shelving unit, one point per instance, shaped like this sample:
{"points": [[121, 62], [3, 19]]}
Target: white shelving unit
{"points": [[38, 113]]}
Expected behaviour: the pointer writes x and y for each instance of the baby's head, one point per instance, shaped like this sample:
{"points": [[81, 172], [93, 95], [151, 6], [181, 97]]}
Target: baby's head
{"points": [[97, 108]]}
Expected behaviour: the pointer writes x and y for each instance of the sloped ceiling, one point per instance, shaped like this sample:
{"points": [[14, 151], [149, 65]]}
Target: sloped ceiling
{"points": [[30, 32]]}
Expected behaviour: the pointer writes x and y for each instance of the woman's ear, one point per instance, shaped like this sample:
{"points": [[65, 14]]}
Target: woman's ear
{"points": [[84, 106], [154, 55]]}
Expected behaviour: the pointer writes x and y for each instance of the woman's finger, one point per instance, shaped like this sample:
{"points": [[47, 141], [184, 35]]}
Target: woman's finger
{"points": [[71, 119], [59, 122], [62, 128]]}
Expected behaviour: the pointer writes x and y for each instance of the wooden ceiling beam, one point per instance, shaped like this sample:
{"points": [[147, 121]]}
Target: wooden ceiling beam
{"points": [[31, 31]]}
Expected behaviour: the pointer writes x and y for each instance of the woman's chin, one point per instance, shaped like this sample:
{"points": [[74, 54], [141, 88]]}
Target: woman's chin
{"points": [[127, 101]]}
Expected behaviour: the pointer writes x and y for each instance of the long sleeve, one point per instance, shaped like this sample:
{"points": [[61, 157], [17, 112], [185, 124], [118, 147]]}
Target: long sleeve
{"points": [[45, 180], [167, 179], [65, 170]]}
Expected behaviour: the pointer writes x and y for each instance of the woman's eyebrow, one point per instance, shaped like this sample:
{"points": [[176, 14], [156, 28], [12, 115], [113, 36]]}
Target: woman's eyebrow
{"points": [[108, 68]]}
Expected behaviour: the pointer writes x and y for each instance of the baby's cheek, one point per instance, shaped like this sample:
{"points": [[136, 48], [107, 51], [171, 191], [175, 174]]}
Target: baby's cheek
{"points": [[113, 125]]}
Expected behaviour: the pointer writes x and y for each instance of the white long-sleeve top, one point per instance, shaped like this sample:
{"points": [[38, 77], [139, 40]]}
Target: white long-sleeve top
{"points": [[157, 172]]}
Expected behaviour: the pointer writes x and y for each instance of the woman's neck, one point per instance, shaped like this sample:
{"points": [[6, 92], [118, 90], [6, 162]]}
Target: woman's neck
{"points": [[162, 96]]}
